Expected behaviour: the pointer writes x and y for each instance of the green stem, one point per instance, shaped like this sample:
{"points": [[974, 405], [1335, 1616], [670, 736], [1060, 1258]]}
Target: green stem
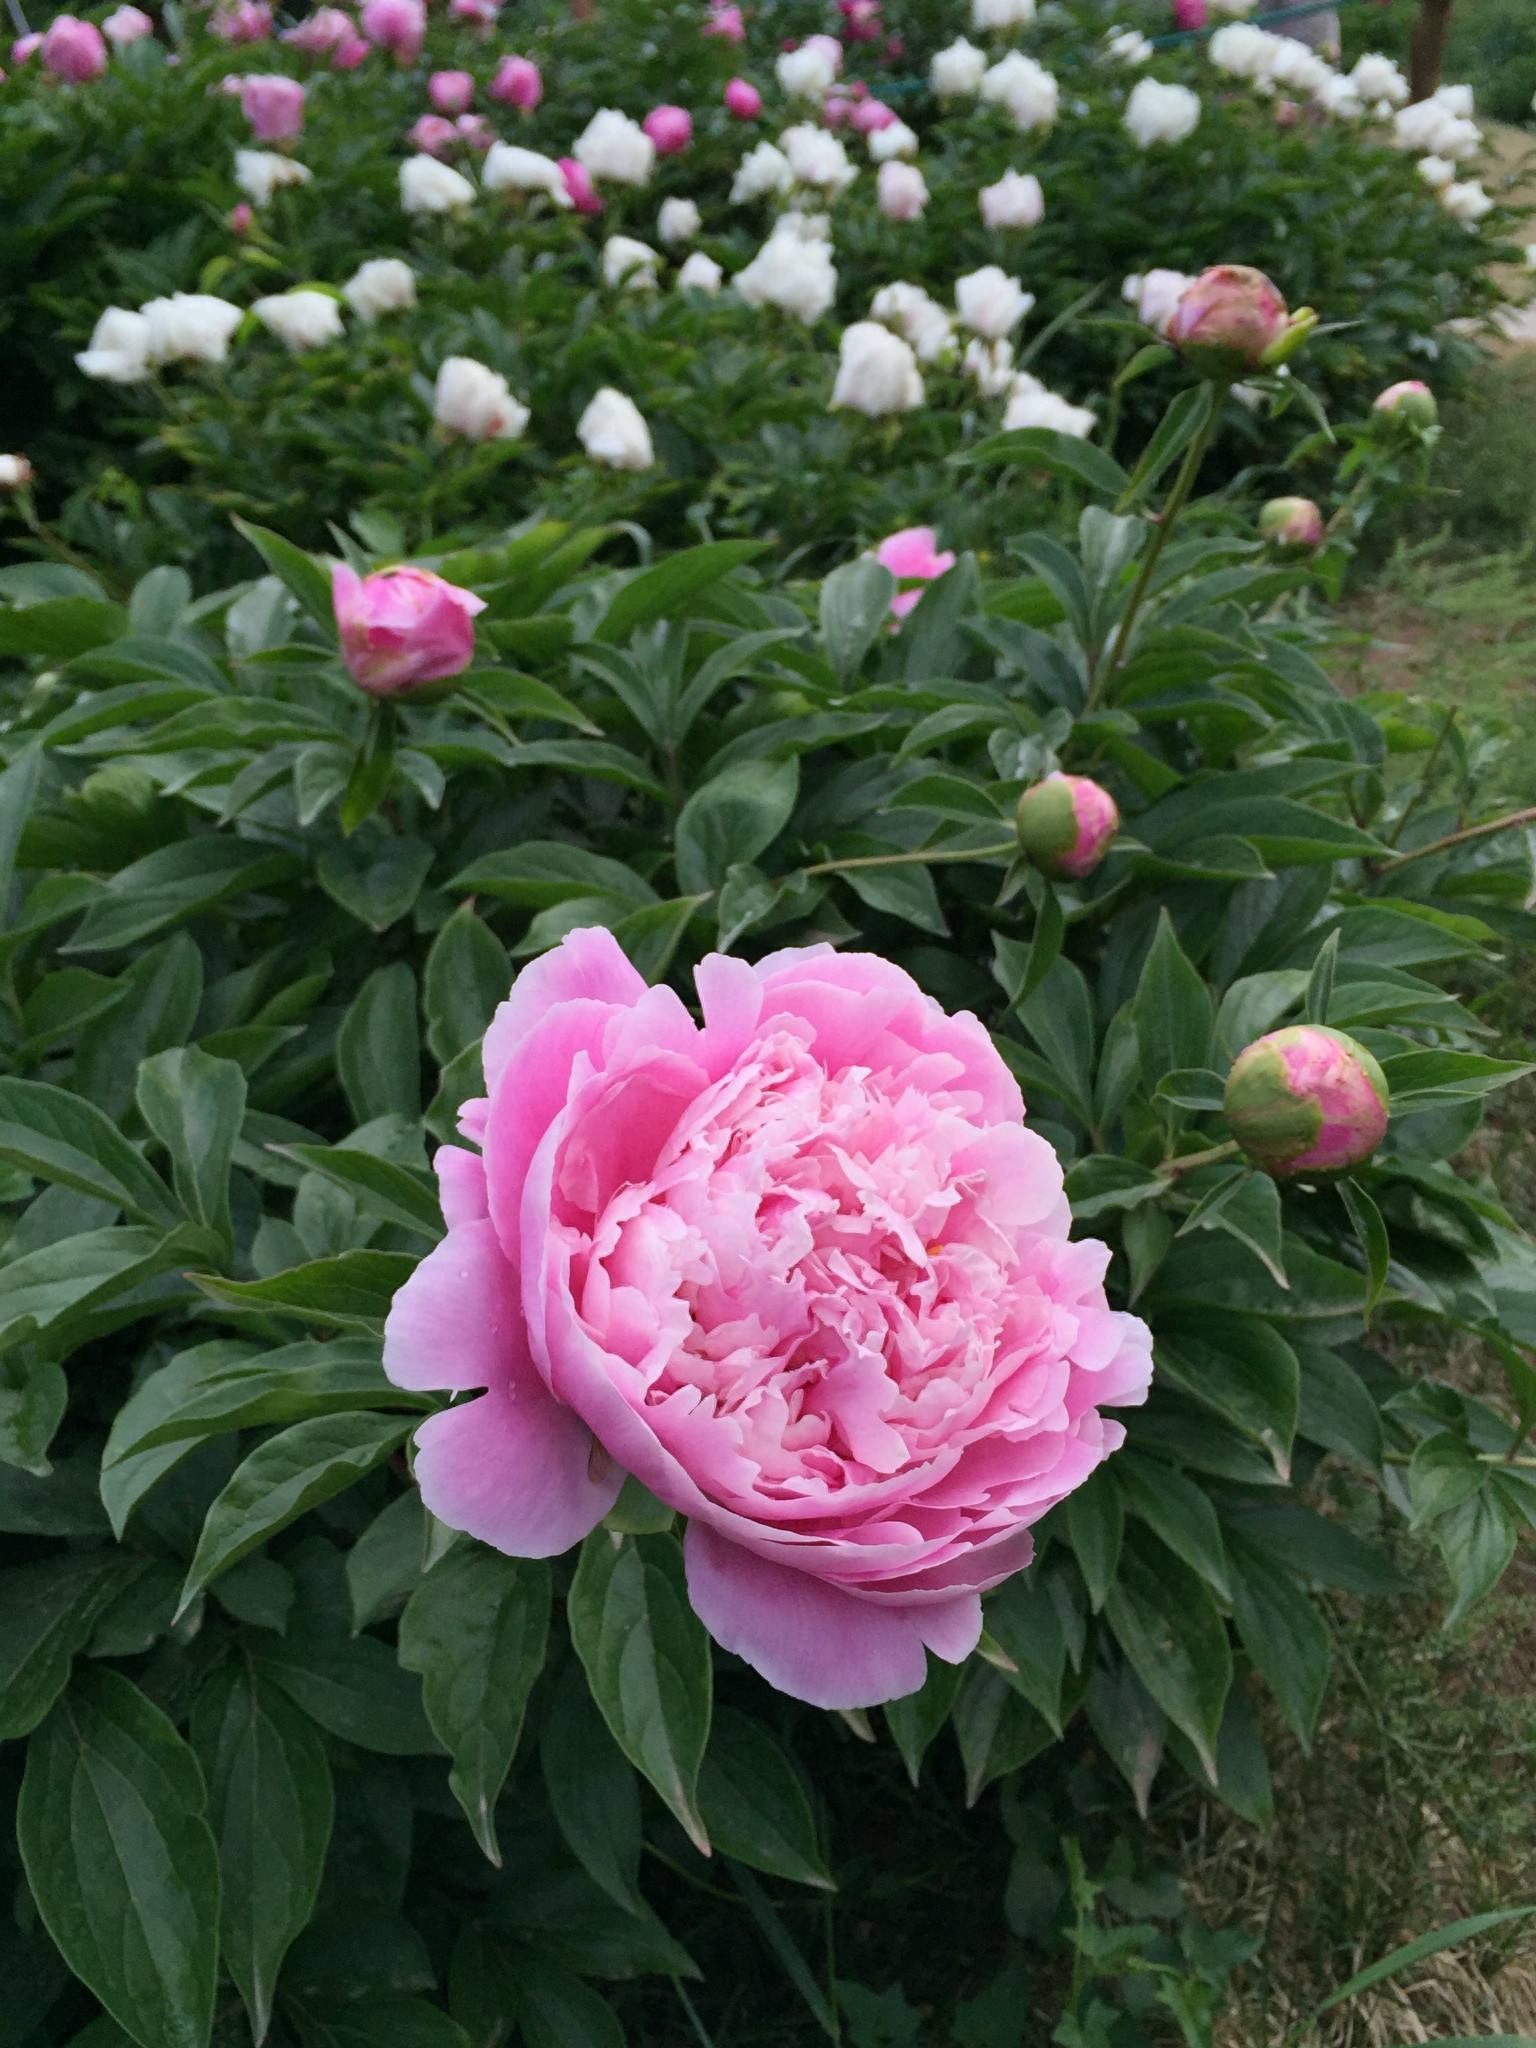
{"points": [[1212, 1156], [1489, 825], [1421, 788], [1482, 1457], [1178, 498], [924, 857]]}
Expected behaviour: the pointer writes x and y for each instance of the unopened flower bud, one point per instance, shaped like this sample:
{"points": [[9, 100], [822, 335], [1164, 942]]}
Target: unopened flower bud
{"points": [[1232, 318], [1291, 523], [1066, 823], [1306, 1099], [1411, 402]]}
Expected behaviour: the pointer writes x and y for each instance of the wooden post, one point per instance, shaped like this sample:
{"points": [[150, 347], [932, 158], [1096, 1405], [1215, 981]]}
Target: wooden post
{"points": [[1426, 61]]}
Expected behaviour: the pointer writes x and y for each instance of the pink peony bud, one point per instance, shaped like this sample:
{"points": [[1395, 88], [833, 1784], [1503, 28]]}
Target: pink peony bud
{"points": [[670, 128], [480, 14], [895, 50], [474, 131], [1411, 401], [1306, 1100], [399, 26], [1191, 14], [324, 31], [912, 556], [125, 25], [274, 106], [434, 135], [1066, 823], [26, 46], [74, 50], [240, 219], [727, 23], [517, 84], [1291, 523], [1231, 319], [836, 110], [578, 182], [871, 115], [1287, 113], [402, 628], [743, 100], [242, 21], [861, 20], [349, 54], [450, 91]]}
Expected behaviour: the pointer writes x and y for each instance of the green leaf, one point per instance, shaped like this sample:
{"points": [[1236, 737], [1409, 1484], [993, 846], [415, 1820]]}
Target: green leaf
{"points": [[60, 1137], [647, 1661], [295, 1470], [304, 578], [375, 876], [662, 592], [174, 883], [906, 892], [733, 818], [474, 1631], [1045, 448], [18, 793], [555, 2009], [271, 1806], [1319, 996], [353, 1687], [915, 1720], [1419, 1951], [1247, 1208], [593, 1793], [754, 1804], [1240, 1366], [855, 604], [543, 872], [1287, 1640], [48, 1613], [1178, 1513], [1174, 431], [1442, 1473], [351, 1291], [1476, 1542], [60, 627], [1167, 1625], [377, 2019], [1172, 1010], [380, 1187], [1096, 1528], [996, 1728], [33, 1396], [1421, 1080], [56, 1288], [1024, 1622], [467, 976], [195, 1105], [378, 1050], [1130, 1724], [121, 1860]]}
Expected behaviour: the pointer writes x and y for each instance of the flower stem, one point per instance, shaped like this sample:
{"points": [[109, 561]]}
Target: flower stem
{"points": [[1421, 787], [1468, 832], [923, 857], [1212, 1156]]}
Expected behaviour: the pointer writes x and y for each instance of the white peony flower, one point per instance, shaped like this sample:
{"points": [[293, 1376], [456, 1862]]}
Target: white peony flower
{"points": [[474, 400], [1127, 46], [508, 168], [1155, 294], [990, 364], [1243, 51], [877, 373], [1001, 14], [1015, 201], [1299, 69], [1161, 113], [805, 227], [810, 70], [261, 172], [1029, 92], [919, 319], [190, 327], [1429, 129], [1337, 96], [1456, 99], [614, 433], [903, 191], [612, 146], [679, 220], [956, 72], [1032, 405], [629, 263], [119, 349], [1377, 78], [700, 274], [896, 139], [762, 171], [991, 303], [817, 159], [382, 285], [303, 319], [796, 276], [1467, 202], [1438, 171], [427, 186]]}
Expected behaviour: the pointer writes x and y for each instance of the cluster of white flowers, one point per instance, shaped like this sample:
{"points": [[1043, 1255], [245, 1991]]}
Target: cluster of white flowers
{"points": [[877, 372], [1030, 93], [793, 271], [1161, 113], [1441, 126], [187, 327]]}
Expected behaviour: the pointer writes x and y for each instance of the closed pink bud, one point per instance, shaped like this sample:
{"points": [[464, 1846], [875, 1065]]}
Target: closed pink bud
{"points": [[670, 128], [349, 54], [913, 556], [1191, 14], [26, 46], [434, 135], [244, 21], [480, 14], [871, 115], [474, 131], [274, 106], [1287, 113], [578, 182], [1066, 824], [450, 91], [125, 25], [743, 100], [1306, 1099], [1231, 319], [1291, 523], [398, 26], [836, 110], [402, 628], [74, 50], [322, 32], [517, 84], [240, 218], [1412, 401], [727, 23]]}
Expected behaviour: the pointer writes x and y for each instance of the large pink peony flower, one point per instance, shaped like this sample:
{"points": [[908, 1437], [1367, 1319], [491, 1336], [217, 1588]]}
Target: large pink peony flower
{"points": [[800, 1269], [401, 629]]}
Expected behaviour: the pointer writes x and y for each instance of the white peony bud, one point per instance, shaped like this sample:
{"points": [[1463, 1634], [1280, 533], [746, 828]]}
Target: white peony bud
{"points": [[796, 276], [614, 433], [427, 186], [629, 263], [471, 399], [119, 348], [1032, 405], [895, 139], [382, 285], [817, 159], [191, 327], [261, 172], [614, 147], [302, 319], [509, 168], [1015, 201], [679, 220], [1161, 113], [763, 171], [700, 274], [991, 303], [877, 373], [956, 73], [903, 192]]}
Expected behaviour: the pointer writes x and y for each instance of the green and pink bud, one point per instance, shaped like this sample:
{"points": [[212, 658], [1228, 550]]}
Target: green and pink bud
{"points": [[1066, 824], [404, 629], [1291, 523], [1306, 1099], [1233, 319], [1412, 402]]}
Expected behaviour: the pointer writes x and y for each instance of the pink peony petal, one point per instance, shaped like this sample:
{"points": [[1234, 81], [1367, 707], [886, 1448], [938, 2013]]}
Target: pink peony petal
{"points": [[589, 963], [515, 1469], [455, 1322]]}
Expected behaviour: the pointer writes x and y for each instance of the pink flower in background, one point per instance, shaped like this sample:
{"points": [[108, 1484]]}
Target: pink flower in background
{"points": [[434, 135], [240, 218], [125, 25], [912, 555], [1066, 824], [242, 21], [871, 115], [474, 131], [324, 31], [450, 91], [578, 182], [1306, 1099], [861, 20], [725, 22], [670, 128], [73, 50], [349, 54], [398, 26], [1291, 523], [1191, 14], [517, 84], [1412, 400], [402, 628], [801, 1269], [743, 100], [480, 14], [274, 106], [837, 110], [26, 46]]}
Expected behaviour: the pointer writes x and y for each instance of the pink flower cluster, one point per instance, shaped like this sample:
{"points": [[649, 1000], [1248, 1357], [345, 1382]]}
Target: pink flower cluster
{"points": [[800, 1268]]}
